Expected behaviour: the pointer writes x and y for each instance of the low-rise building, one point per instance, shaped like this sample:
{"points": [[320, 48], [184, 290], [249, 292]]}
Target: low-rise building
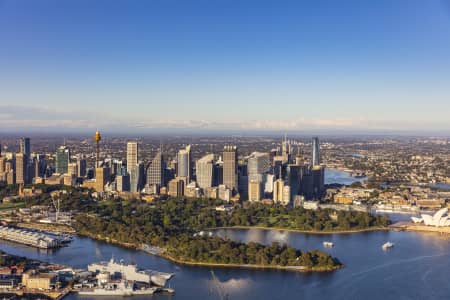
{"points": [[40, 281]]}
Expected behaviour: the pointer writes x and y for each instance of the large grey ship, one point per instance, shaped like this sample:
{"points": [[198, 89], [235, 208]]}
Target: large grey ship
{"points": [[131, 272]]}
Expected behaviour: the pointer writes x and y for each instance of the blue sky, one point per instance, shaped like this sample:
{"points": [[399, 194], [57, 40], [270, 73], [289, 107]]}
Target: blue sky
{"points": [[218, 64]]}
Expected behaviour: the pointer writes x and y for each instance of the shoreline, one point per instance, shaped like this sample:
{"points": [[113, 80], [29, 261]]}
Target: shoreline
{"points": [[251, 266], [315, 232], [219, 265], [411, 227]]}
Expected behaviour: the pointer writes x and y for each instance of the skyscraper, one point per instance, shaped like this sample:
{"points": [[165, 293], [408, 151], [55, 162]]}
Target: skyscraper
{"points": [[123, 183], [205, 171], [155, 171], [2, 164], [72, 169], [25, 147], [258, 165], [315, 152], [278, 190], [132, 156], [62, 160], [176, 187], [318, 174], [137, 178], [102, 177], [230, 166], [81, 167], [184, 164], [21, 168], [293, 176], [254, 190]]}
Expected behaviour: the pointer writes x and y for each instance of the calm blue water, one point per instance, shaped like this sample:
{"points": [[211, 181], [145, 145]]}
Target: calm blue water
{"points": [[416, 268], [441, 186], [340, 177]]}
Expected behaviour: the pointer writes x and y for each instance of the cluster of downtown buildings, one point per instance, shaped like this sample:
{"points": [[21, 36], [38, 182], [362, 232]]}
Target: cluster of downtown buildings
{"points": [[279, 176]]}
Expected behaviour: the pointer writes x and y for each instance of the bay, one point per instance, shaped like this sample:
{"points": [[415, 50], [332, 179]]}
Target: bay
{"points": [[416, 268]]}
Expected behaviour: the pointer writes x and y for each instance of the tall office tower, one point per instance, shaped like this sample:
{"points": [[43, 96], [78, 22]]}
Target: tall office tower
{"points": [[137, 178], [97, 139], [278, 190], [21, 168], [254, 190], [315, 152], [118, 167], [286, 195], [9, 166], [102, 177], [218, 172], [72, 169], [10, 177], [2, 169], [155, 171], [268, 187], [293, 177], [25, 147], [42, 166], [132, 156], [81, 167], [230, 167], [318, 175], [258, 165], [123, 183], [307, 183], [2, 164], [177, 187], [62, 160], [30, 170], [285, 146], [184, 164], [205, 171], [35, 167]]}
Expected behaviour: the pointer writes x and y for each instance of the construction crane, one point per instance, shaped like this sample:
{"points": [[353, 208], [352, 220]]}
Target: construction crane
{"points": [[57, 209]]}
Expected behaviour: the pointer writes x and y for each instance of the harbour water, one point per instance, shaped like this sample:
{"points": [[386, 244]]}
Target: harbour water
{"points": [[415, 268], [340, 177], [443, 186]]}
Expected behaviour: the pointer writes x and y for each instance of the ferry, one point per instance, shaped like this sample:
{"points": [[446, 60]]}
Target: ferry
{"points": [[387, 245], [328, 244]]}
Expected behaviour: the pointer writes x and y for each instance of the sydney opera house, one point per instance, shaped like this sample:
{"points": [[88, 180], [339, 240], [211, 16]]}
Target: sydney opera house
{"points": [[439, 219]]}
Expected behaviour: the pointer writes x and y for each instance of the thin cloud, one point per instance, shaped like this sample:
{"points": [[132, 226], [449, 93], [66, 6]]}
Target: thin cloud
{"points": [[26, 117]]}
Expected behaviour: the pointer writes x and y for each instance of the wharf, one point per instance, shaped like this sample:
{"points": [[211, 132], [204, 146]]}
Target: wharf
{"points": [[56, 295]]}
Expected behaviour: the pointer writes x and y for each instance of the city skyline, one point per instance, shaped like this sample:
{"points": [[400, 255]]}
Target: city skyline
{"points": [[225, 66]]}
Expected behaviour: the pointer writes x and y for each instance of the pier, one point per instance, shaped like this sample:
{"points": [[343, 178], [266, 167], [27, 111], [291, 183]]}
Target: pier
{"points": [[30, 238]]}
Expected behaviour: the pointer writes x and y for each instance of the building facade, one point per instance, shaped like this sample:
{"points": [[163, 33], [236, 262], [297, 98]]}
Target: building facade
{"points": [[230, 167], [205, 171]]}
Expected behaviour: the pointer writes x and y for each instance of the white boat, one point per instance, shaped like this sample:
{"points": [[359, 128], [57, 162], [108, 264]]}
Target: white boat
{"points": [[328, 244], [387, 245]]}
